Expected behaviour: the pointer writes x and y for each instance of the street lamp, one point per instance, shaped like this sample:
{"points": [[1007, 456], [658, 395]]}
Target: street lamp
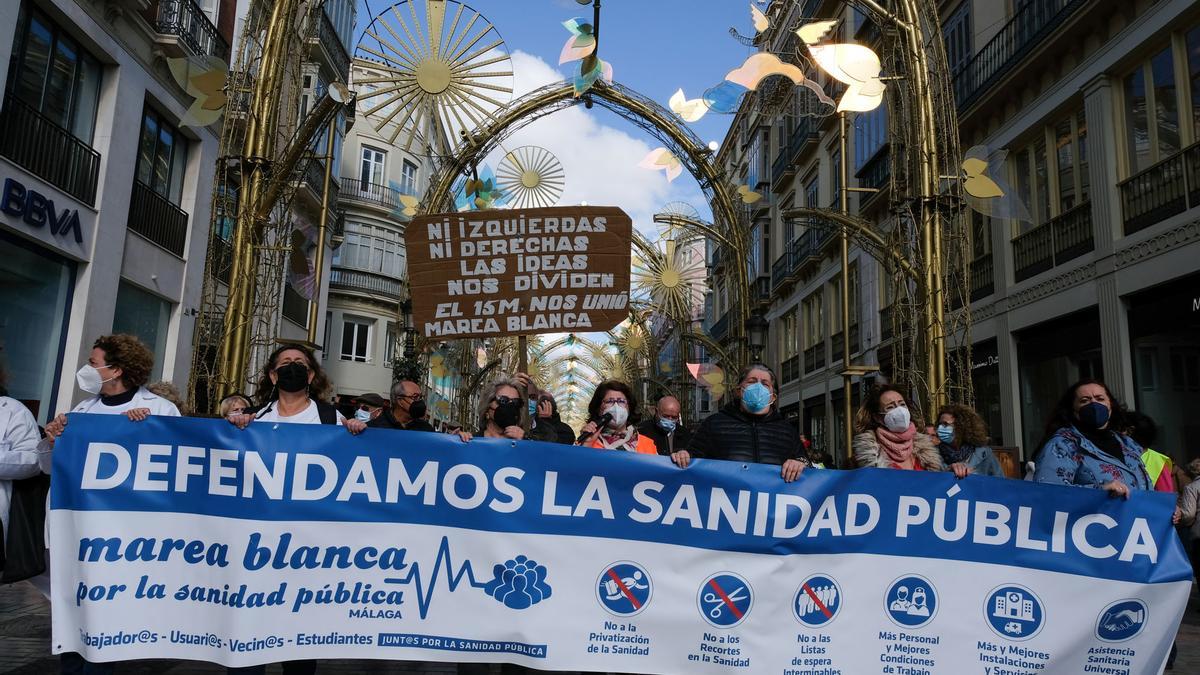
{"points": [[756, 334], [409, 329]]}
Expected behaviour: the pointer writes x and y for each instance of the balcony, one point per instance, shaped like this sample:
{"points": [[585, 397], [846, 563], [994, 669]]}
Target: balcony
{"points": [[331, 44], [48, 151], [780, 270], [366, 282], [814, 357], [790, 369], [184, 22], [1053, 243], [383, 196], [983, 277], [1028, 27], [784, 166], [1163, 190], [720, 328], [154, 217]]}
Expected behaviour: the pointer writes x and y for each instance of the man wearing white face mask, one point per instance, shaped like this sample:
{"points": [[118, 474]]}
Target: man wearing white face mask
{"points": [[115, 376]]}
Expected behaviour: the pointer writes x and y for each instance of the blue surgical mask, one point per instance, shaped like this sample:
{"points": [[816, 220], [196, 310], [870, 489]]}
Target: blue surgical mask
{"points": [[666, 424], [532, 407], [756, 397], [362, 415], [945, 433], [1093, 416]]}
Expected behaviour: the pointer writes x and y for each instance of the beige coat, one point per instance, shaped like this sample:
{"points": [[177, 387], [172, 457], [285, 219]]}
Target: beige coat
{"points": [[867, 452]]}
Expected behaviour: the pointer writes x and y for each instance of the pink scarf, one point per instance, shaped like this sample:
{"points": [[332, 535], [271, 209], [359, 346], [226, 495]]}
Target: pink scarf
{"points": [[627, 440], [897, 446]]}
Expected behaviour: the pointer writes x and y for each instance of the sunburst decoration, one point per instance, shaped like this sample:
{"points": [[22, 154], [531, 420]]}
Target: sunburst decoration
{"points": [[671, 275], [531, 176], [673, 228], [445, 69]]}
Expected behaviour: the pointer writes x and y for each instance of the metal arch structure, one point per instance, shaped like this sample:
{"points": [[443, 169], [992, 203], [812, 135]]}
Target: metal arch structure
{"points": [[644, 113]]}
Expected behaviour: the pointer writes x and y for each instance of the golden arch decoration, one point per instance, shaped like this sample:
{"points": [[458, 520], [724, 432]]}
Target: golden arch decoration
{"points": [[644, 113]]}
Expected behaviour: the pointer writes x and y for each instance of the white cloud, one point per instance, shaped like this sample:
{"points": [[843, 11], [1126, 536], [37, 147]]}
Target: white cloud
{"points": [[600, 161]]}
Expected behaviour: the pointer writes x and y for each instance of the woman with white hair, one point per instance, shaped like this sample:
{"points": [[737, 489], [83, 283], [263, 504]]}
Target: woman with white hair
{"points": [[502, 410]]}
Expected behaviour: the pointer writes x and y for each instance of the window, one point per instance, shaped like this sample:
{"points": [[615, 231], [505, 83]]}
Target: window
{"points": [[957, 34], [835, 180], [328, 330], [835, 304], [755, 260], [1192, 44], [408, 178], [390, 343], [145, 316], [789, 344], [1070, 142], [371, 248], [814, 320], [162, 156], [1185, 369], [1053, 182], [356, 340], [372, 166], [1151, 136], [870, 135], [51, 73]]}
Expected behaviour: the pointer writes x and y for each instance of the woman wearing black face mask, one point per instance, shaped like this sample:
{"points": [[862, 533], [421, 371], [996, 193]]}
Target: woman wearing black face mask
{"points": [[293, 389], [1082, 446], [503, 413]]}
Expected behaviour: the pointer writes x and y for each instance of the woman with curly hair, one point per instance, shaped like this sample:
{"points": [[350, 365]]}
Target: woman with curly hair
{"points": [[292, 389], [887, 436], [962, 439]]}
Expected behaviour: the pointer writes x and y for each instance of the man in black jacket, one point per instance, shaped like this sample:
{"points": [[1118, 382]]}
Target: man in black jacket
{"points": [[666, 427], [407, 410], [750, 428]]}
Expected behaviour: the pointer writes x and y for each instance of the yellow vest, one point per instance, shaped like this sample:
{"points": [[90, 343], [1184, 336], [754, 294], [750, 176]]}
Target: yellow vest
{"points": [[1155, 463]]}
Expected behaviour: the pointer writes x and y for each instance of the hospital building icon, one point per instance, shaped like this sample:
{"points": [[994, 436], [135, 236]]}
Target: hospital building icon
{"points": [[1013, 605]]}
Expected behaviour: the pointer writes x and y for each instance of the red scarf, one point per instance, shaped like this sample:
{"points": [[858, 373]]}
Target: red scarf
{"points": [[897, 446]]}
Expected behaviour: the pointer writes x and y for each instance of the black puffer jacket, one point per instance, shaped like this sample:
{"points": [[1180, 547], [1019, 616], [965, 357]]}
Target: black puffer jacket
{"points": [[737, 436]]}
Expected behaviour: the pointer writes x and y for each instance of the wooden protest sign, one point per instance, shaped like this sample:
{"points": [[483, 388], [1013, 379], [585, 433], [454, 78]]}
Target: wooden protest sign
{"points": [[481, 274]]}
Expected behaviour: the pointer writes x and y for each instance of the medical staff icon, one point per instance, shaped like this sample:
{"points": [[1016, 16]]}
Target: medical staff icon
{"points": [[1122, 620], [1014, 612], [911, 601], [624, 588], [725, 599], [817, 601]]}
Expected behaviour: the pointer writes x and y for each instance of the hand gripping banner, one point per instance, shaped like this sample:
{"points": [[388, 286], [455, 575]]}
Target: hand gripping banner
{"points": [[192, 539]]}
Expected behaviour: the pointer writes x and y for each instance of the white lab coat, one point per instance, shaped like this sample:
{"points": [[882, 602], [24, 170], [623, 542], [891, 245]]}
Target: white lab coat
{"points": [[144, 398], [18, 451]]}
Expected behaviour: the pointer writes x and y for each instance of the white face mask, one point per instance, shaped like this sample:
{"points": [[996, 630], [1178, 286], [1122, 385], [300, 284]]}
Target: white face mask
{"points": [[89, 379], [897, 419], [620, 415]]}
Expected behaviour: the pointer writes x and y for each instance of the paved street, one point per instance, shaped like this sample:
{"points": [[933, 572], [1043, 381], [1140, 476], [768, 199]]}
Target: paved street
{"points": [[25, 644]]}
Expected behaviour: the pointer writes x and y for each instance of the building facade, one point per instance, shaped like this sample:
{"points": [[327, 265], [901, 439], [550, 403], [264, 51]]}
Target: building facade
{"points": [[365, 328], [106, 196], [1096, 104]]}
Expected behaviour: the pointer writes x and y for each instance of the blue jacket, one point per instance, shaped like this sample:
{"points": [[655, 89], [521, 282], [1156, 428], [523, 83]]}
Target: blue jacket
{"points": [[1070, 459], [982, 461]]}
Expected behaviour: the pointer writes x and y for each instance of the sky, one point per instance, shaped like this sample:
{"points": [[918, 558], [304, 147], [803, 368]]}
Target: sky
{"points": [[655, 48]]}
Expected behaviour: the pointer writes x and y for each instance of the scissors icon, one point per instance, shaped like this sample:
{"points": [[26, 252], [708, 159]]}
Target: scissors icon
{"points": [[718, 603]]}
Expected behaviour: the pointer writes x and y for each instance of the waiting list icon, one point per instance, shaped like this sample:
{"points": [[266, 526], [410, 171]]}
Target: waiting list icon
{"points": [[1013, 605]]}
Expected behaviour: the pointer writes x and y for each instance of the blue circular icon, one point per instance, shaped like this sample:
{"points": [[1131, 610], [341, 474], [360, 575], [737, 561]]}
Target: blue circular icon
{"points": [[817, 601], [911, 601], [1122, 620], [624, 588], [1014, 612], [725, 599]]}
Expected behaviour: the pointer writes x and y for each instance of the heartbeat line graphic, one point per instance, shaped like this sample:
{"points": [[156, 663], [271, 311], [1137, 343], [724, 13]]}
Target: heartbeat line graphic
{"points": [[443, 560]]}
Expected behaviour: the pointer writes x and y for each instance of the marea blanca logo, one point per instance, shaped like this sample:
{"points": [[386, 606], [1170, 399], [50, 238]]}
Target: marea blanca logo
{"points": [[519, 583]]}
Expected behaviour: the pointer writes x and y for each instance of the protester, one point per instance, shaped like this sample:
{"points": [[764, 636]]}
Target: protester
{"points": [[407, 410], [887, 436], [171, 393], [548, 421], [115, 376], [1159, 467], [19, 437], [615, 399], [369, 407], [233, 404], [750, 429], [293, 388], [962, 439], [502, 411], [666, 427], [1081, 446], [1189, 505], [819, 459]]}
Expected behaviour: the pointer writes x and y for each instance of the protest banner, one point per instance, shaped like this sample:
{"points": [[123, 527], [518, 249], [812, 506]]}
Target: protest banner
{"points": [[519, 271], [189, 538]]}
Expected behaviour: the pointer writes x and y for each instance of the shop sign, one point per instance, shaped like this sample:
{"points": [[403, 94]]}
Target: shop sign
{"points": [[38, 211], [989, 361]]}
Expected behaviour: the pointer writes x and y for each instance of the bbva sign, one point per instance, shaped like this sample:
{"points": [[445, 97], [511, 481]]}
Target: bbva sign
{"points": [[37, 211]]}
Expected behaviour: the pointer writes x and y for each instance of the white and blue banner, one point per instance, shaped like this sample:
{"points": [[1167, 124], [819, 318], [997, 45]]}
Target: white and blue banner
{"points": [[188, 538]]}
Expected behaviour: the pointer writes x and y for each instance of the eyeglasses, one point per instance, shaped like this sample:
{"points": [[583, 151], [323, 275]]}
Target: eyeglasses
{"points": [[615, 401], [415, 397], [505, 400], [366, 407]]}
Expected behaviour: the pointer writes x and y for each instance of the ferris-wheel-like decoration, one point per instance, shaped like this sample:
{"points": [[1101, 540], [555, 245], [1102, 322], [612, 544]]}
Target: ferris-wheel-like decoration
{"points": [[673, 229], [532, 177], [445, 71]]}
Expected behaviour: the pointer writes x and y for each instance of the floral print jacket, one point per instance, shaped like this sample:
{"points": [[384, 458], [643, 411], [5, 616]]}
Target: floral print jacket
{"points": [[1071, 459]]}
